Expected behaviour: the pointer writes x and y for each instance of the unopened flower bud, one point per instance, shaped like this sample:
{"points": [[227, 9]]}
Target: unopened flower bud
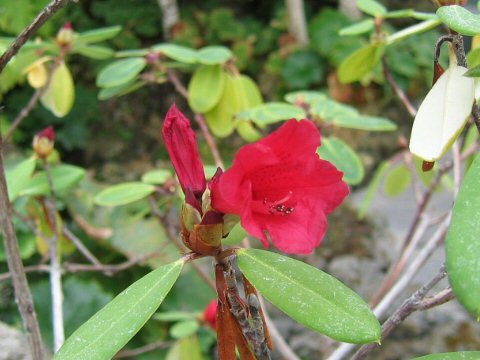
{"points": [[210, 314], [43, 142], [66, 35]]}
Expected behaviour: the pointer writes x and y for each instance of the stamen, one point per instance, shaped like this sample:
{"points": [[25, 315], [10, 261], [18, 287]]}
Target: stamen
{"points": [[278, 207]]}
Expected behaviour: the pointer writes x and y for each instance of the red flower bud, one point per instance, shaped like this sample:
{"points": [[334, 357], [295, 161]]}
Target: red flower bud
{"points": [[181, 146], [210, 314], [43, 142]]}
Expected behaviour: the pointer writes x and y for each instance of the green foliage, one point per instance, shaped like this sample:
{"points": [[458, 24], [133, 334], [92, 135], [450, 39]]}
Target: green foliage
{"points": [[275, 112], [302, 69], [372, 7], [122, 194], [205, 88], [120, 72], [360, 63], [18, 177], [461, 355], [397, 180], [316, 299], [459, 19]]}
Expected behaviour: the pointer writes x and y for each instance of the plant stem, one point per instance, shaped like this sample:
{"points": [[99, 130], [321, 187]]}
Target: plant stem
{"points": [[297, 25], [412, 30], [21, 39], [19, 280]]}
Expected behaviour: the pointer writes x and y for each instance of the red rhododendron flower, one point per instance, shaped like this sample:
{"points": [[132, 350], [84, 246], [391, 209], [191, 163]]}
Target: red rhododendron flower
{"points": [[210, 314], [182, 148], [281, 189]]}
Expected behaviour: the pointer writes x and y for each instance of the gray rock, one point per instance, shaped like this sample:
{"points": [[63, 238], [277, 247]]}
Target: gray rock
{"points": [[13, 344]]}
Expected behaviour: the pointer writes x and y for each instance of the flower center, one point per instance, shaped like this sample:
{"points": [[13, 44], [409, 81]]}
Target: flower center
{"points": [[279, 207]]}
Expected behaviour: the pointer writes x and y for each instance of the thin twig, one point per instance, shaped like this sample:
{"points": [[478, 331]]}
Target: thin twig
{"points": [[80, 246], [143, 349], [397, 90], [180, 88], [21, 39], [23, 295]]}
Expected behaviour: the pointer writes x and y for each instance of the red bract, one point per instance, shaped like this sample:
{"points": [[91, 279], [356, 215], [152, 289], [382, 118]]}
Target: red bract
{"points": [[181, 146], [281, 189]]}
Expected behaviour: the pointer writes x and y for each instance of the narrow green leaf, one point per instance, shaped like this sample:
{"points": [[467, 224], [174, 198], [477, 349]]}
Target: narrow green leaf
{"points": [[359, 28], [211, 55], [308, 97], [315, 299], [344, 158], [94, 51], [360, 63], [98, 35], [122, 194], [174, 316], [461, 355], [463, 243], [184, 328], [274, 112], [101, 337], [131, 53], [372, 7], [120, 72], [372, 189], [205, 88], [397, 181], [364, 122], [19, 177], [459, 19], [179, 53], [63, 176], [156, 176], [120, 90]]}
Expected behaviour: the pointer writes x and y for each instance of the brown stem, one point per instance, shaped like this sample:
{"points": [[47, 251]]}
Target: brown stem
{"points": [[19, 280], [397, 90], [21, 39], [180, 88]]}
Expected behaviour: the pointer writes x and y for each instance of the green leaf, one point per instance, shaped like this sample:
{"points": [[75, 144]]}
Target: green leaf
{"points": [[174, 316], [185, 348], [344, 158], [315, 299], [274, 112], [156, 176], [372, 7], [120, 72], [98, 35], [364, 122], [459, 19], [63, 176], [184, 328], [397, 181], [359, 28], [179, 53], [308, 97], [122, 194], [473, 72], [205, 88], [102, 336], [461, 355], [360, 63], [372, 189], [302, 69], [235, 236], [94, 51], [19, 177], [60, 94], [463, 243], [250, 96], [212, 55], [120, 90]]}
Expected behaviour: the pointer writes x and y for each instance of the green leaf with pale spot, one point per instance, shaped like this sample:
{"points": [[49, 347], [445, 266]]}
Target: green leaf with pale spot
{"points": [[120, 72], [461, 355], [274, 112], [211, 55], [104, 334], [343, 157], [205, 88], [463, 243], [313, 298], [460, 19], [122, 194]]}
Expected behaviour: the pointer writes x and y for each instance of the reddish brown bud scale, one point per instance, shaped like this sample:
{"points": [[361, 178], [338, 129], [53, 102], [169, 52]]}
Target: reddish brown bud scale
{"points": [[438, 70], [427, 165], [43, 142]]}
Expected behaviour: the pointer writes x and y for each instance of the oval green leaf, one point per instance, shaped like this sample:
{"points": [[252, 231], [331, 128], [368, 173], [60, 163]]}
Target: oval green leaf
{"points": [[463, 243], [120, 72], [362, 27], [102, 336], [179, 53], [397, 181], [372, 189], [360, 63], [211, 55], [122, 194], [184, 328], [205, 88], [274, 112], [19, 177], [364, 122], [344, 158], [315, 299], [308, 97], [60, 94], [120, 90], [98, 35], [459, 19], [156, 176], [63, 177], [461, 355], [372, 7], [94, 51]]}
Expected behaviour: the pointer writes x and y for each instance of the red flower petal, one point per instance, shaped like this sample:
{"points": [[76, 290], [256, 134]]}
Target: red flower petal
{"points": [[181, 146]]}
